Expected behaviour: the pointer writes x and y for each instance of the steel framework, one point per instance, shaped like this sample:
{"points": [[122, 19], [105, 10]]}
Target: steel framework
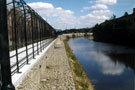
{"points": [[20, 26]]}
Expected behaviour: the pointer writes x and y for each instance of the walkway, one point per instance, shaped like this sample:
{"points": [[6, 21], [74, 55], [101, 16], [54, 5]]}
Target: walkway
{"points": [[57, 74]]}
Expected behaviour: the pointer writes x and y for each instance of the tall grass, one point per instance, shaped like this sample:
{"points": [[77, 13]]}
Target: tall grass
{"points": [[80, 78]]}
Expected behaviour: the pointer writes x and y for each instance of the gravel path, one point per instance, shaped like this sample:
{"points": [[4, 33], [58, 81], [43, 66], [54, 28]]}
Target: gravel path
{"points": [[58, 75], [51, 72]]}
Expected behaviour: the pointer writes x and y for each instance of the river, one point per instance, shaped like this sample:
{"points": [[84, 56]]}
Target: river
{"points": [[108, 66]]}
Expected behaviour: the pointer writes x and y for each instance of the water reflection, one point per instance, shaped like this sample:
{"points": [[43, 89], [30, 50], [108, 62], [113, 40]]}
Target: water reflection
{"points": [[110, 66], [127, 59], [107, 65]]}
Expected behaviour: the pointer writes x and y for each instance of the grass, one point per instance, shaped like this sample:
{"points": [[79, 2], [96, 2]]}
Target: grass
{"points": [[80, 78]]}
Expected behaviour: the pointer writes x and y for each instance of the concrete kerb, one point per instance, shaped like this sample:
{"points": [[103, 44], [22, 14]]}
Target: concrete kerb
{"points": [[18, 77]]}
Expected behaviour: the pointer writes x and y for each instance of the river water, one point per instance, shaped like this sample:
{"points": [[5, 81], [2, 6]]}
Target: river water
{"points": [[108, 66]]}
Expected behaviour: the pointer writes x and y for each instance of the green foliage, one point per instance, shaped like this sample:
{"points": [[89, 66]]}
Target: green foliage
{"points": [[82, 30], [126, 14], [85, 35], [113, 17], [96, 28], [96, 25], [78, 70], [81, 80], [67, 37], [73, 35]]}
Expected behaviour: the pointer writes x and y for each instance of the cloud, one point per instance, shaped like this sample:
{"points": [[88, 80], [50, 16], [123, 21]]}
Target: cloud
{"points": [[98, 14], [41, 5], [62, 19], [107, 2], [111, 68], [47, 9], [93, 17], [108, 67], [90, 20], [65, 22], [101, 12], [96, 7], [91, 2]]}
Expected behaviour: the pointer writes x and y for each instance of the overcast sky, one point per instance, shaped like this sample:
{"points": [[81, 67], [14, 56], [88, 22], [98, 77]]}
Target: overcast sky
{"points": [[64, 14]]}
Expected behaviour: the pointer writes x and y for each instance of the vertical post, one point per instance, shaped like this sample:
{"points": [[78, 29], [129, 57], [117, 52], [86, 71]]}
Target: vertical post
{"points": [[32, 34], [43, 34], [37, 33], [15, 33], [40, 34], [27, 60], [4, 49], [13, 47], [34, 30]]}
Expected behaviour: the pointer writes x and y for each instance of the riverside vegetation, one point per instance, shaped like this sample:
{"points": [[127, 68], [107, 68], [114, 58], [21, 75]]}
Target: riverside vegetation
{"points": [[80, 78]]}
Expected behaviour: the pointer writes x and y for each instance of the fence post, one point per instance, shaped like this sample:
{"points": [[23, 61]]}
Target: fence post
{"points": [[32, 34], [15, 33], [43, 35], [4, 49], [40, 33], [37, 34], [25, 31]]}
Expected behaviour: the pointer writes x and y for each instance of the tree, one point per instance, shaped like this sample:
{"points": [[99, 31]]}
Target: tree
{"points": [[113, 17], [126, 14]]}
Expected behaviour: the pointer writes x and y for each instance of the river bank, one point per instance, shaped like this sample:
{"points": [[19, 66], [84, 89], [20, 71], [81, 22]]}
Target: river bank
{"points": [[108, 66], [80, 78]]}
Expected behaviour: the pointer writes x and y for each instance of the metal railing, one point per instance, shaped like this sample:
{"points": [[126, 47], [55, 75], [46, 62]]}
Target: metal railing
{"points": [[23, 34], [22, 59]]}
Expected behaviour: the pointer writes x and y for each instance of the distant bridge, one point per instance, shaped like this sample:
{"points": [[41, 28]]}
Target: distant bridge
{"points": [[76, 35]]}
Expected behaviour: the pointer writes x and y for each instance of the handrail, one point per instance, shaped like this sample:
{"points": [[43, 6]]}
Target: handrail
{"points": [[25, 29]]}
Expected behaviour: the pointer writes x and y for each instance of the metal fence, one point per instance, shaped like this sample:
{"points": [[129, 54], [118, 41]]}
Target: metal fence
{"points": [[23, 34]]}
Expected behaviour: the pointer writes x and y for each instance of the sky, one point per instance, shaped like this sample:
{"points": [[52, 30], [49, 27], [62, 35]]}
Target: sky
{"points": [[67, 14]]}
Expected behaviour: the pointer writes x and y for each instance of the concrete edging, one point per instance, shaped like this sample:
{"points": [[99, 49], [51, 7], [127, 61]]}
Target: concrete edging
{"points": [[18, 77]]}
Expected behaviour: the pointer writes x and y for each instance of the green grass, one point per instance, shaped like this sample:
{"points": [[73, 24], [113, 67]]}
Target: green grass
{"points": [[80, 78]]}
